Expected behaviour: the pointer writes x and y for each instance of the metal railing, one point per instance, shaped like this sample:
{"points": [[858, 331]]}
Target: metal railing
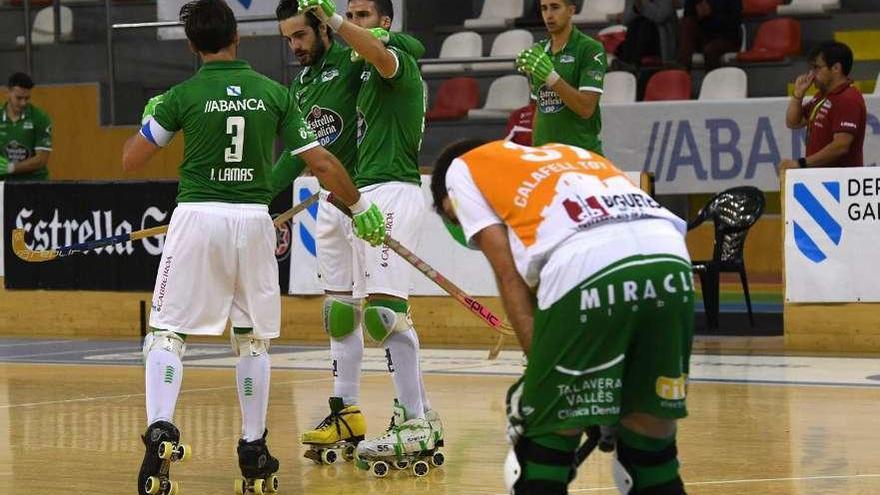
{"points": [[28, 40]]}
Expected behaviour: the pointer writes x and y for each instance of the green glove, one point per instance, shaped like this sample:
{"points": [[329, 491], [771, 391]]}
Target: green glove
{"points": [[380, 34], [369, 223], [535, 62], [324, 10], [5, 167], [150, 107]]}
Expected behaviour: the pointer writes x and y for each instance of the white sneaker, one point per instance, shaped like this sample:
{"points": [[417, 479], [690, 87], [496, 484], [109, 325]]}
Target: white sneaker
{"points": [[436, 426], [404, 437]]}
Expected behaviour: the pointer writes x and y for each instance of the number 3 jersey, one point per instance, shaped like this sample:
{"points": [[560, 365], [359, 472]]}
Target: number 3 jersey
{"points": [[230, 116], [551, 198]]}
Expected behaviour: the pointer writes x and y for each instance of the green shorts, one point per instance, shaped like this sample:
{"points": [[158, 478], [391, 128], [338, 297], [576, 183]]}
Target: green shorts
{"points": [[618, 343]]}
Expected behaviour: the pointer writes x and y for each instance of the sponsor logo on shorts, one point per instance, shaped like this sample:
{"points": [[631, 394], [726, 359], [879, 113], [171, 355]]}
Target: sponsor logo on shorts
{"points": [[163, 284], [581, 209], [632, 291], [671, 388], [386, 251], [589, 397]]}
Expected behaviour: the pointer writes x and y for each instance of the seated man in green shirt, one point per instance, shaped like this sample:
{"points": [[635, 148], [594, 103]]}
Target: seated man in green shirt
{"points": [[25, 134]]}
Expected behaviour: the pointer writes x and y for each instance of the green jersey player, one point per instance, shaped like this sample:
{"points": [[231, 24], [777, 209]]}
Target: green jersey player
{"points": [[218, 261], [25, 134], [567, 73], [391, 112], [327, 90]]}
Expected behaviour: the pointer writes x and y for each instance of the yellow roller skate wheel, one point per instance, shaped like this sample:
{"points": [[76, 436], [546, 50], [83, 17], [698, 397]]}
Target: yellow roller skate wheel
{"points": [[258, 487], [329, 456], [420, 468], [379, 469], [240, 487], [184, 452], [152, 485], [166, 450], [174, 488], [272, 484], [348, 452]]}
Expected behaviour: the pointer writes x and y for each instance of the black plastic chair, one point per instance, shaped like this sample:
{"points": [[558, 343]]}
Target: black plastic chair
{"points": [[733, 212]]}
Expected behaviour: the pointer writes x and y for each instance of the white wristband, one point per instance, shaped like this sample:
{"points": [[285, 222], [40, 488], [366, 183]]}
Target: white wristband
{"points": [[359, 206], [335, 21], [10, 168], [552, 78]]}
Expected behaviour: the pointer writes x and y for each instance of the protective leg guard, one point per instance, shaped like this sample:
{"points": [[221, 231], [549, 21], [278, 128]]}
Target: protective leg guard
{"points": [[646, 466], [245, 344], [382, 318], [165, 340], [342, 316], [540, 466]]}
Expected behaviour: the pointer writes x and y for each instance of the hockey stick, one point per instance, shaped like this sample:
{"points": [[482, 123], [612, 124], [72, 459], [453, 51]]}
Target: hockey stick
{"points": [[22, 251], [474, 306]]}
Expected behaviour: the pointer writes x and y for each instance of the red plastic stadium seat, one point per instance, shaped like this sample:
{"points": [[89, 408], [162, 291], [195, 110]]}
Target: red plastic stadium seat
{"points": [[776, 40], [756, 8], [669, 85], [455, 98]]}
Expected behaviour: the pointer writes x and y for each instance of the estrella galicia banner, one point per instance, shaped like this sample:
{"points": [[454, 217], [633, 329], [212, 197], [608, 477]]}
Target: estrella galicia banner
{"points": [[55, 214], [832, 230], [708, 146]]}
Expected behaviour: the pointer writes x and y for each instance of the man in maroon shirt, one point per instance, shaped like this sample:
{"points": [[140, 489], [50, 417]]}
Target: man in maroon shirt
{"points": [[834, 117], [520, 125]]}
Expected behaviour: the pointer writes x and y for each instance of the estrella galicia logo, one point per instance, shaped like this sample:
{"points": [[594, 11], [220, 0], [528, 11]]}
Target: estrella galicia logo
{"points": [[16, 152], [549, 101], [828, 225], [326, 123], [308, 240]]}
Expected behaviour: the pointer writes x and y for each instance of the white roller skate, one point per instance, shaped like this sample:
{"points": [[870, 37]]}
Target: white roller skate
{"points": [[407, 444]]}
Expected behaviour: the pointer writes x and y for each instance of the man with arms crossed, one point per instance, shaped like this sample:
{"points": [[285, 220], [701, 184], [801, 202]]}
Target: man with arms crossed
{"points": [[567, 72], [391, 116], [218, 263], [596, 280], [327, 91]]}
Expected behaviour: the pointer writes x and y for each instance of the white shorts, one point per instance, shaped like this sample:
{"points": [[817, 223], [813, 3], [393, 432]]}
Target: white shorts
{"points": [[218, 264], [335, 241], [384, 271]]}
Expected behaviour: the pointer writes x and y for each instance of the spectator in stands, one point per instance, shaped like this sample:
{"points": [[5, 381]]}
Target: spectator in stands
{"points": [[520, 125], [714, 26], [651, 30], [567, 72], [25, 134], [835, 117]]}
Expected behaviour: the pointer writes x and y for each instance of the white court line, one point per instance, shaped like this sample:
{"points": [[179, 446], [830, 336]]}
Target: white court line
{"points": [[128, 396], [743, 481], [36, 342], [72, 351]]}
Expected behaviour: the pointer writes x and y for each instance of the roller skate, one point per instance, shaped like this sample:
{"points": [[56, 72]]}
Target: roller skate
{"points": [[337, 435], [258, 468], [162, 447], [406, 444]]}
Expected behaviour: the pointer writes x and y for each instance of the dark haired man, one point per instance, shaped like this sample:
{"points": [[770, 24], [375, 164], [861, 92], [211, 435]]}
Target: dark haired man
{"points": [[596, 280], [25, 134], [391, 117], [567, 72], [835, 117], [218, 263], [327, 91]]}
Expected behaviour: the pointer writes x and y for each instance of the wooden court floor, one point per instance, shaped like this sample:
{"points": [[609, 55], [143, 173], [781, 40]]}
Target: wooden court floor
{"points": [[74, 429]]}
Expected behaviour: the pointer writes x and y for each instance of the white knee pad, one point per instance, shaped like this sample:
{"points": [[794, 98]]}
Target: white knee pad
{"points": [[512, 471], [165, 340], [380, 322], [245, 344], [622, 479]]}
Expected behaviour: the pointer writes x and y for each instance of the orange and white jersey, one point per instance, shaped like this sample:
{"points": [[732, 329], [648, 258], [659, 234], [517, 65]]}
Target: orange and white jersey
{"points": [[546, 196]]}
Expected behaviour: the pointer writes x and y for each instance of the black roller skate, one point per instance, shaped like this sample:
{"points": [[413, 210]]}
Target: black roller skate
{"points": [[258, 468], [162, 447]]}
